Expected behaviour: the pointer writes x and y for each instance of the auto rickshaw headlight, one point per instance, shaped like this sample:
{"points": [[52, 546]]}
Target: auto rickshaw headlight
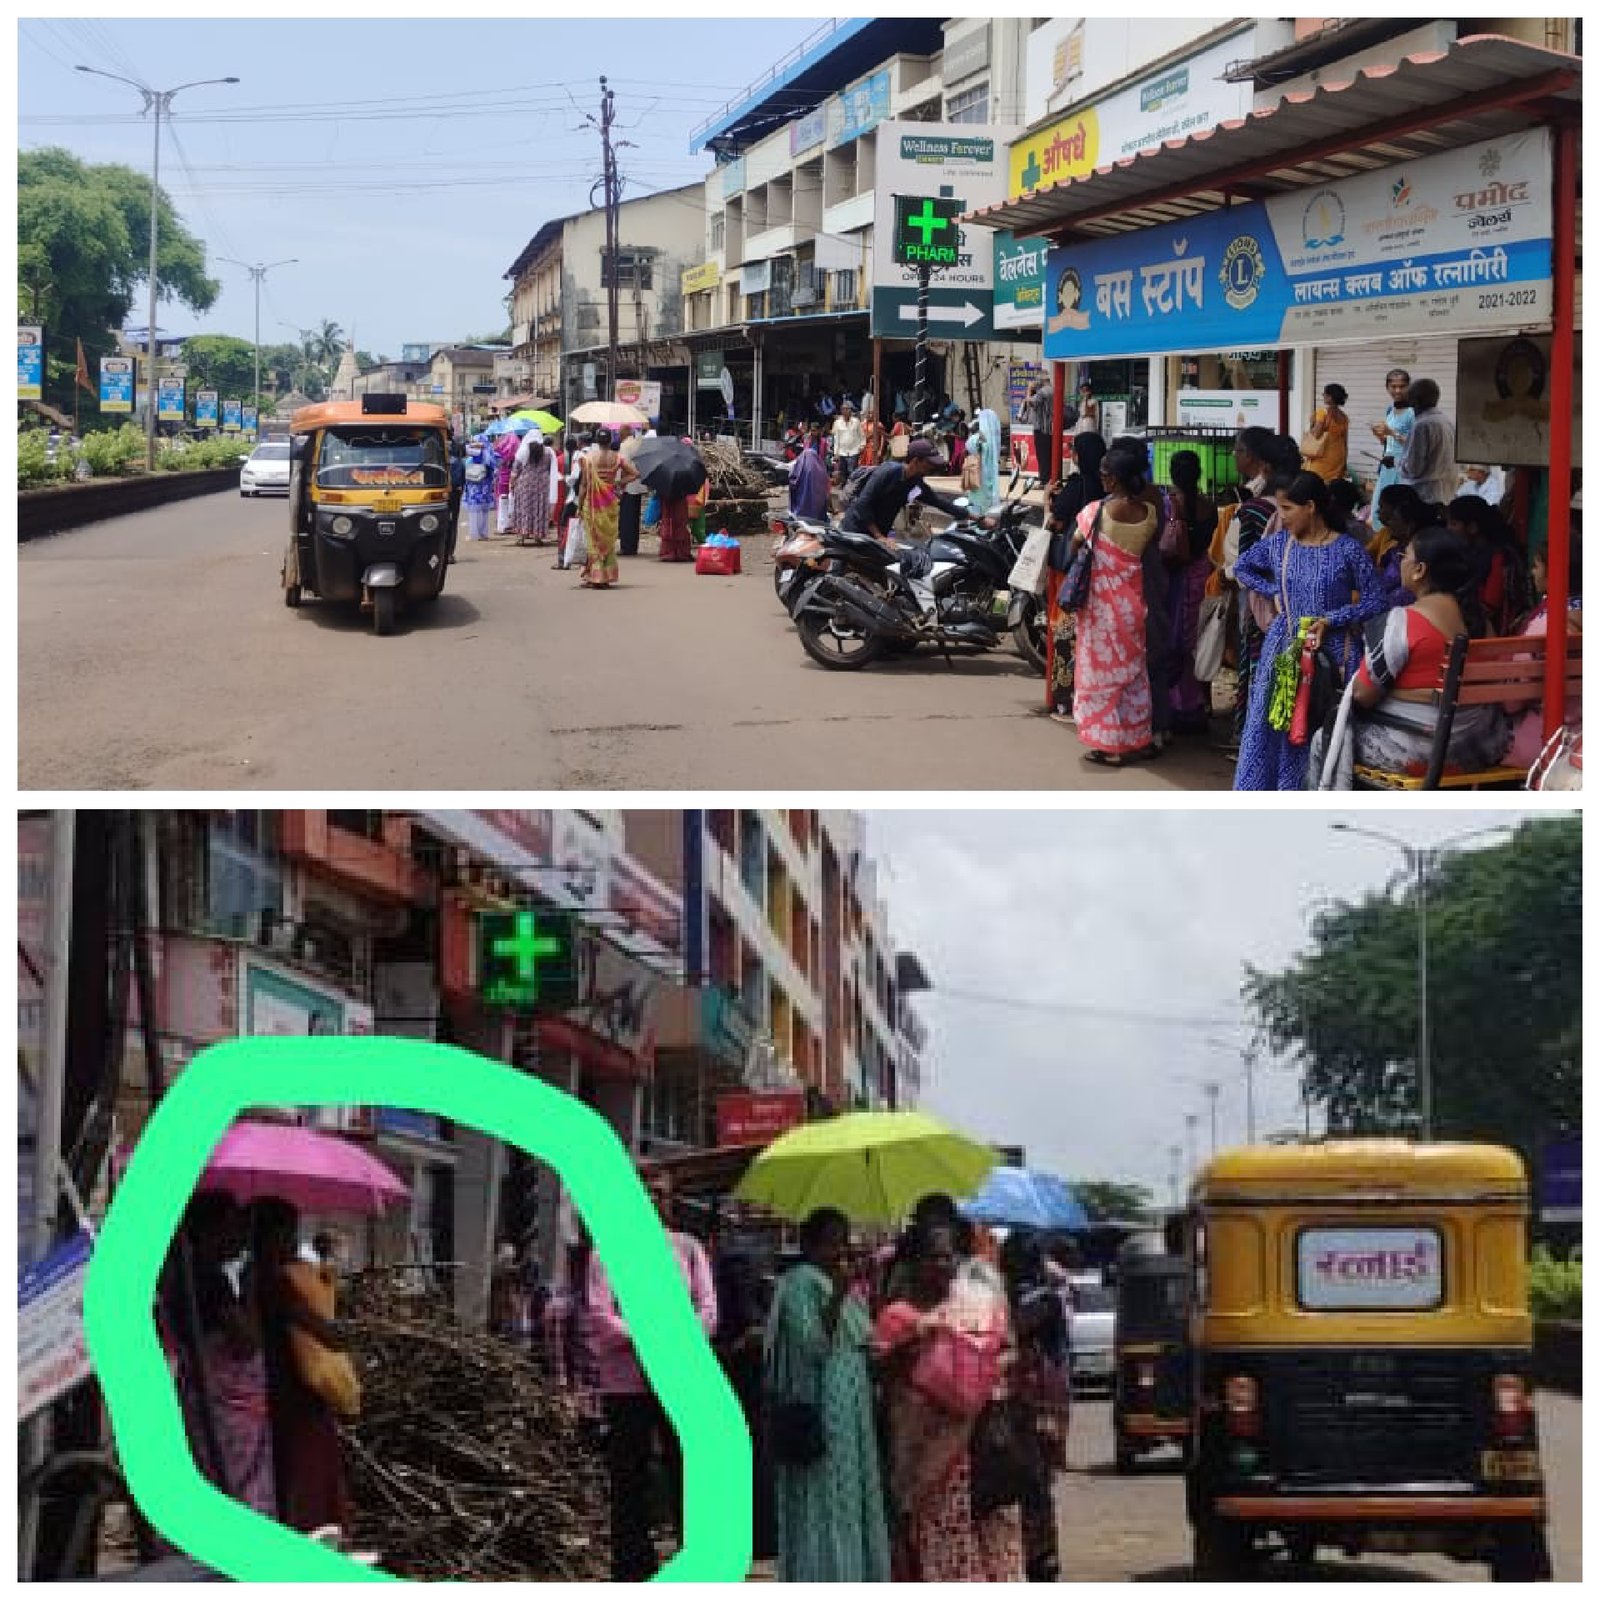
{"points": [[429, 523], [342, 527]]}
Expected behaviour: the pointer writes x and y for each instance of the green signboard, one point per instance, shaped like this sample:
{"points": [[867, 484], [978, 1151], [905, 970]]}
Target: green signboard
{"points": [[925, 231], [527, 959], [1019, 280]]}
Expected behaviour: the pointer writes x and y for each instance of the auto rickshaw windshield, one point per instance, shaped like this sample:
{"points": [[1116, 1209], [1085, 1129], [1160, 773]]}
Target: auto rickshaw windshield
{"points": [[378, 457]]}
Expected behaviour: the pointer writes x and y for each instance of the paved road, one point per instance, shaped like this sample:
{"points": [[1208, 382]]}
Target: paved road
{"points": [[1115, 1529], [156, 652]]}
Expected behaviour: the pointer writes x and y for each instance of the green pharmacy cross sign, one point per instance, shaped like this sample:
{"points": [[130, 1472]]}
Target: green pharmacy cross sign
{"points": [[526, 959], [926, 233]]}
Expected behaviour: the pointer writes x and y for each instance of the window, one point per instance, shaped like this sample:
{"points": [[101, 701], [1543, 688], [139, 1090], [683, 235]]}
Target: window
{"points": [[635, 269], [757, 306], [719, 225], [1396, 1268], [968, 105], [844, 288]]}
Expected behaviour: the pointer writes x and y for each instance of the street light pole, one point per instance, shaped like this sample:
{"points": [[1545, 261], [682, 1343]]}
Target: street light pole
{"points": [[158, 101], [258, 272], [1420, 861]]}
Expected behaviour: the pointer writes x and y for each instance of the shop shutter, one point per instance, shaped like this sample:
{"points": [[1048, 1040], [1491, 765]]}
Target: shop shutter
{"points": [[1361, 369]]}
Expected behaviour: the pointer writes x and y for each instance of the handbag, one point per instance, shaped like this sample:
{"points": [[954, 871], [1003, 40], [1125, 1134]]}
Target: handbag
{"points": [[956, 1371], [1312, 444], [1075, 585], [1174, 531], [1211, 642], [1004, 1457], [1028, 573]]}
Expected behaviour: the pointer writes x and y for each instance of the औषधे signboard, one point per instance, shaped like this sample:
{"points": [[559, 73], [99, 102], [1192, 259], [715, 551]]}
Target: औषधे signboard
{"points": [[1456, 243], [757, 1118], [52, 1356], [30, 362], [116, 383], [205, 409], [958, 164], [169, 400]]}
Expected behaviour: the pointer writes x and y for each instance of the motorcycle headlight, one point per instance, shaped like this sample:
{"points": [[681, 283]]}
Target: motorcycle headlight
{"points": [[429, 523], [341, 527]]}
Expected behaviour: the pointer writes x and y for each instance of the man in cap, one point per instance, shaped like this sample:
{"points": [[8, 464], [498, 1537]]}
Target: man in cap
{"points": [[849, 438]]}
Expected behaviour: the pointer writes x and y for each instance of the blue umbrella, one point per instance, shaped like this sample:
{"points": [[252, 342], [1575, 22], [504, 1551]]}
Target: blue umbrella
{"points": [[495, 429], [1019, 1197], [519, 425]]}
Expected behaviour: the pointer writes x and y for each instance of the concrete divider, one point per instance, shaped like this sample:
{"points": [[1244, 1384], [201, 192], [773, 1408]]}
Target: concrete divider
{"points": [[71, 505], [1558, 1356]]}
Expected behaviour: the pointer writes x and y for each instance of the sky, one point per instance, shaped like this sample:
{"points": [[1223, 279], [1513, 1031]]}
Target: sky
{"points": [[404, 164], [1146, 913]]}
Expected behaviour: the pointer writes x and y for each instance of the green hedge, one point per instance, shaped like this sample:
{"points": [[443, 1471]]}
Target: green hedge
{"points": [[117, 453], [1555, 1288]]}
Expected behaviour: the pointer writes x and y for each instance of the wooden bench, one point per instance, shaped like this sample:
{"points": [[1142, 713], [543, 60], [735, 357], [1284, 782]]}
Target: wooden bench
{"points": [[1480, 672]]}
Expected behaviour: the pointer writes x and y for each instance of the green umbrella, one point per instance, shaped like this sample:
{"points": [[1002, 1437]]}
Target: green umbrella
{"points": [[872, 1165], [542, 420]]}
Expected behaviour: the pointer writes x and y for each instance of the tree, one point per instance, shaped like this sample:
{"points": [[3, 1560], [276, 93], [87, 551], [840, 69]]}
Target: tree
{"points": [[328, 344], [218, 361], [1106, 1201], [1504, 998], [83, 241]]}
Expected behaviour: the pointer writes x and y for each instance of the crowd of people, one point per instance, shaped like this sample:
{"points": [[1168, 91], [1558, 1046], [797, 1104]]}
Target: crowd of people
{"points": [[908, 1406], [578, 493], [1289, 567]]}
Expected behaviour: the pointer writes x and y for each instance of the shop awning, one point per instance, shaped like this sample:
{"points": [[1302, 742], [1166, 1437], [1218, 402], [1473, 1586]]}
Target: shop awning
{"points": [[1482, 87]]}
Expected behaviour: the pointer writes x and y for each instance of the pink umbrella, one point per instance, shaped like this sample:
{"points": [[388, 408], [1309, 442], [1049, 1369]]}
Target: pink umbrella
{"points": [[314, 1171]]}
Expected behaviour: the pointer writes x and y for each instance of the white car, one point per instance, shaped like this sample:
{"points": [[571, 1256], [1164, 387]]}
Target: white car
{"points": [[267, 470], [1094, 1335]]}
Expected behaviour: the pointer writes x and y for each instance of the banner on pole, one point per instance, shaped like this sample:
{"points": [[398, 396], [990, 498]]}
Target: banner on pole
{"points": [[30, 362], [231, 419], [116, 383], [205, 409], [170, 400]]}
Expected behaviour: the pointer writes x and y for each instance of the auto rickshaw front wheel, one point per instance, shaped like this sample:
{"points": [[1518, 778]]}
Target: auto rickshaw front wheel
{"points": [[1222, 1548], [383, 612], [291, 596], [1520, 1555]]}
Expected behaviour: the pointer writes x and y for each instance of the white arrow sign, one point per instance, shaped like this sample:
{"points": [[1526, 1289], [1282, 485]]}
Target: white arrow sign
{"points": [[966, 314]]}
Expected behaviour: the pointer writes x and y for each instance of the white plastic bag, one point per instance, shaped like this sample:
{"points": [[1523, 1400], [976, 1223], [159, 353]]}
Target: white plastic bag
{"points": [[1028, 575], [577, 547], [503, 514], [1212, 640]]}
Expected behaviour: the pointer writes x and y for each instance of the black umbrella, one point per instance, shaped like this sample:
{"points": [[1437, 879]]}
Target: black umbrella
{"points": [[670, 467]]}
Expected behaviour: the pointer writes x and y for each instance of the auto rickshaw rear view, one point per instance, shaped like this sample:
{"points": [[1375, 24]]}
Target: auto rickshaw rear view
{"points": [[370, 517], [1363, 1356], [1151, 1388]]}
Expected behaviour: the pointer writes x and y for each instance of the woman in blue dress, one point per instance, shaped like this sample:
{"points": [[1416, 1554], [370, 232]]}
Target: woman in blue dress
{"points": [[1394, 432], [1313, 572]]}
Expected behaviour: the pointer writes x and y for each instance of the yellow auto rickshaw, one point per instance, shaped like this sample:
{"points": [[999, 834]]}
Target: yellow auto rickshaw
{"points": [[1362, 1353], [371, 514], [1151, 1388]]}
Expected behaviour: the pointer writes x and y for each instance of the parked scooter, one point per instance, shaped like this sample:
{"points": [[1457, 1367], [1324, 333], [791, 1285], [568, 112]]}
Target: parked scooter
{"points": [[864, 604], [796, 553]]}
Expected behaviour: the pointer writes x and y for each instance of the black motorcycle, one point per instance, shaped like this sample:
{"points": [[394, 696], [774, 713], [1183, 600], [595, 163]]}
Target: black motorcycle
{"points": [[862, 604]]}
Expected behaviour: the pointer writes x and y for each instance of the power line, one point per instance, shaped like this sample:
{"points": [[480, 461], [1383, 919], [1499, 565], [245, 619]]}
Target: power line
{"points": [[1072, 1008]]}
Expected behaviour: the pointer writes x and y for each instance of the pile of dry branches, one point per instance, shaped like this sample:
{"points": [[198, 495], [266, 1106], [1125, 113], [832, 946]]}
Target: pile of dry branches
{"points": [[739, 489], [465, 1465]]}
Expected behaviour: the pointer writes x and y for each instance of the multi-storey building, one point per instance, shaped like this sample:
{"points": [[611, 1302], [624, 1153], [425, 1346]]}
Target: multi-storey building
{"points": [[781, 297], [559, 299], [792, 976]]}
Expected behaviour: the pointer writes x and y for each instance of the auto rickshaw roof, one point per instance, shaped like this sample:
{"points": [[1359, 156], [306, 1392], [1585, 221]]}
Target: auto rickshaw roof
{"points": [[1390, 1165], [337, 413]]}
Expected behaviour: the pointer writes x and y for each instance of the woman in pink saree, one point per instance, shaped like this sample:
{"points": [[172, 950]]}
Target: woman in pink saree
{"points": [[939, 1538], [1111, 700]]}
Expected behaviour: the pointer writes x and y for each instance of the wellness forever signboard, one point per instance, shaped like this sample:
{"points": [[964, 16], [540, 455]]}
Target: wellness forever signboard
{"points": [[1455, 243]]}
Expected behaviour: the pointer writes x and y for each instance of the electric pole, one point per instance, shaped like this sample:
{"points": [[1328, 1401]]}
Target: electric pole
{"points": [[1191, 1121], [1175, 1173], [258, 272], [1212, 1091], [607, 112]]}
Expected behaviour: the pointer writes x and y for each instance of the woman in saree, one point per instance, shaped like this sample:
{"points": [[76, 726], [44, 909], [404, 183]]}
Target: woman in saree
{"points": [[600, 504], [1394, 716], [1111, 696], [308, 1456], [930, 1462], [231, 1353], [1066, 501], [829, 1513]]}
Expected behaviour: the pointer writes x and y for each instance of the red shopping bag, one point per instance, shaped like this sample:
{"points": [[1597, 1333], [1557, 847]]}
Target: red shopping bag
{"points": [[721, 561], [1300, 722]]}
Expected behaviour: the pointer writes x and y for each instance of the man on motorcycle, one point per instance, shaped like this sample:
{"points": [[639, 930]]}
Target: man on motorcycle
{"points": [[884, 495]]}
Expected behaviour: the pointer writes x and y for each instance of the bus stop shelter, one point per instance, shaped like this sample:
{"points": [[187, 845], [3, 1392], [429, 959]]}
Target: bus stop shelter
{"points": [[1322, 142]]}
